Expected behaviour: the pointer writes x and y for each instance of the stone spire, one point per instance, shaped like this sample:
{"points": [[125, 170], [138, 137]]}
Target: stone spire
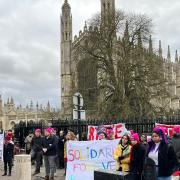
{"points": [[107, 12], [66, 74], [150, 45], [139, 39], [126, 33], [168, 54], [160, 49], [176, 56], [85, 26]]}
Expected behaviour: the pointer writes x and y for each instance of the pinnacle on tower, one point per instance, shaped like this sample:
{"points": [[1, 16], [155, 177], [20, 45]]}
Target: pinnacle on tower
{"points": [[150, 45], [139, 39], [126, 32], [168, 54], [176, 56], [160, 49], [85, 26]]}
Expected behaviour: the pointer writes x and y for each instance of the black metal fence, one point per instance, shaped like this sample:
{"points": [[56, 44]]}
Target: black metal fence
{"points": [[22, 129]]}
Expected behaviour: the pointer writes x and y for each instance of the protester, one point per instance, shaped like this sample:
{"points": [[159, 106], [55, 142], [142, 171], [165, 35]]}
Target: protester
{"points": [[122, 154], [8, 153], [144, 140], [110, 133], [53, 134], [70, 136], [101, 131], [28, 141], [176, 142], [50, 151], [137, 157], [162, 154], [37, 145], [61, 142]]}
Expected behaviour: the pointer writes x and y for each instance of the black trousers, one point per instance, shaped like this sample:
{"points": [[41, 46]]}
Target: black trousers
{"points": [[38, 159], [6, 165]]}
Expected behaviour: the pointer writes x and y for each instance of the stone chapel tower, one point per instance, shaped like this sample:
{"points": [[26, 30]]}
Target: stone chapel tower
{"points": [[107, 11], [66, 75]]}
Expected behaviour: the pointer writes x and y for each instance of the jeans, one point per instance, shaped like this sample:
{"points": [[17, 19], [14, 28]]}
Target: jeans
{"points": [[49, 162]]}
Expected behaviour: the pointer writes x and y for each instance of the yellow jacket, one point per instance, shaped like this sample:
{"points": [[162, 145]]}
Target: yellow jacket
{"points": [[124, 163]]}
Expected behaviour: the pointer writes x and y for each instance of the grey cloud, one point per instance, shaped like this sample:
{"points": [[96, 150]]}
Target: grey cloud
{"points": [[30, 41]]}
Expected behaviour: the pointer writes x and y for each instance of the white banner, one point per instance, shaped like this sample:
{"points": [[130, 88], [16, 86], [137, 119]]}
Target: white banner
{"points": [[1, 146], [86, 156], [118, 131]]}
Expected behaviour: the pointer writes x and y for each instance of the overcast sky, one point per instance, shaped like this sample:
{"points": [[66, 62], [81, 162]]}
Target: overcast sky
{"points": [[30, 41]]}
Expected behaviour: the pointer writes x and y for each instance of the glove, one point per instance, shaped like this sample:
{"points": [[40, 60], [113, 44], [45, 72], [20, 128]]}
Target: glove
{"points": [[121, 158]]}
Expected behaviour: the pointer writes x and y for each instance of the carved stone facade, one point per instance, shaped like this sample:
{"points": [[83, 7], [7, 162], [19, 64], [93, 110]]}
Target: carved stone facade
{"points": [[10, 114], [75, 68]]}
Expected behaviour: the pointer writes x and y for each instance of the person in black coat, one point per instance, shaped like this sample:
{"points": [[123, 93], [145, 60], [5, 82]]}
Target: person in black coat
{"points": [[137, 157], [162, 154], [8, 154], [37, 149], [61, 149], [50, 152]]}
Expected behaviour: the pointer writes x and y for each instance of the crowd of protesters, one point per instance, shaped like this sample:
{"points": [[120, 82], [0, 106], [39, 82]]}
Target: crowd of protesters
{"points": [[130, 154]]}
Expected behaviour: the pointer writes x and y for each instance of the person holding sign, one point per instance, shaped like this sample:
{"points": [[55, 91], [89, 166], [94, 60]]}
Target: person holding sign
{"points": [[122, 154]]}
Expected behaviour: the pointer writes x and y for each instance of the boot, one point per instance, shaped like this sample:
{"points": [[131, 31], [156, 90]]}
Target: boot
{"points": [[9, 171], [5, 174], [51, 178], [46, 177]]}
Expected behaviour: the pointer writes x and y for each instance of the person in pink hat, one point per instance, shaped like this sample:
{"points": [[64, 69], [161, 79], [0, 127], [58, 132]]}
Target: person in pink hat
{"points": [[50, 151], [137, 157], [36, 150]]}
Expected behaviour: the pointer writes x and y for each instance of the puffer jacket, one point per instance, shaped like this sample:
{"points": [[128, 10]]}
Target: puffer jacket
{"points": [[122, 163]]}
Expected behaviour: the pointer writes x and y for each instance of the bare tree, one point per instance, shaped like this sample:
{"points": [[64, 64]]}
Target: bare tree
{"points": [[130, 76]]}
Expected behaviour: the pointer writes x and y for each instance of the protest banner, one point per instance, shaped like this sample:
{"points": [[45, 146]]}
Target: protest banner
{"points": [[118, 131], [1, 146], [167, 128], [86, 156]]}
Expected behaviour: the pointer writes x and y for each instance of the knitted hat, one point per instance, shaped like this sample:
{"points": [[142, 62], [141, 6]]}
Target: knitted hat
{"points": [[176, 129], [48, 130], [37, 131], [135, 137]]}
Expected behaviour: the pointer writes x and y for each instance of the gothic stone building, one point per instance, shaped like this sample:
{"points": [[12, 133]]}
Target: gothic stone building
{"points": [[79, 75], [10, 114]]}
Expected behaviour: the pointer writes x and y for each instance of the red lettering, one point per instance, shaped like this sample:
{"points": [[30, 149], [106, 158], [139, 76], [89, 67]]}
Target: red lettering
{"points": [[91, 133], [118, 131]]}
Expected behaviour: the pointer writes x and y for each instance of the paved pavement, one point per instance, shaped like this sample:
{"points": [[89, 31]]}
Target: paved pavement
{"points": [[40, 176]]}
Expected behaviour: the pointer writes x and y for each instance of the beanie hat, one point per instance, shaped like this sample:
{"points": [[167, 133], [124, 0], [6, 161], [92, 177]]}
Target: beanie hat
{"points": [[176, 129], [135, 137], [37, 131], [48, 130]]}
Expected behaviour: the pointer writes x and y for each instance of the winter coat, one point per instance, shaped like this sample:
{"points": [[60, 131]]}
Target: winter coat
{"points": [[8, 152], [51, 144], [122, 157], [37, 143], [166, 159], [176, 145], [137, 158]]}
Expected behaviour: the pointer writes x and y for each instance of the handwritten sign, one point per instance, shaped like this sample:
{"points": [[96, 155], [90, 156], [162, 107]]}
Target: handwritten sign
{"points": [[86, 156], [118, 129], [167, 128]]}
